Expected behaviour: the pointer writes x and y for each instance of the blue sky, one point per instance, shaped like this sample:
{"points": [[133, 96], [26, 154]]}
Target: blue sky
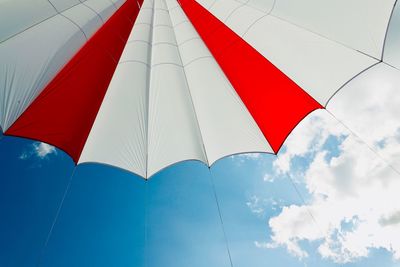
{"points": [[113, 218], [330, 198]]}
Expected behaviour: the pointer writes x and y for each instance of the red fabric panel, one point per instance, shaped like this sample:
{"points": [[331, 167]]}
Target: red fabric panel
{"points": [[276, 103], [63, 114]]}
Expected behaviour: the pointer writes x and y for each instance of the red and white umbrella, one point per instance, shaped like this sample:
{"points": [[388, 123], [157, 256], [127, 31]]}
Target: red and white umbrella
{"points": [[141, 86]]}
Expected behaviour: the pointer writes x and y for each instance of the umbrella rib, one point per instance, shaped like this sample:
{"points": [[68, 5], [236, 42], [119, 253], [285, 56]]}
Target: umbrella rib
{"points": [[220, 217], [365, 143], [149, 87], [60, 206], [146, 204]]}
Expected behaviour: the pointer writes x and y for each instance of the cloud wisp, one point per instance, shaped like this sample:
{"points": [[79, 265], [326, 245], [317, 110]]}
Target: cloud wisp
{"points": [[39, 150]]}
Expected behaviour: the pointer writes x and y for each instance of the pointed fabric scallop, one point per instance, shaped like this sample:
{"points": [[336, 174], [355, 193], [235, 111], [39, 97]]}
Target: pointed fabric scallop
{"points": [[166, 98], [187, 80]]}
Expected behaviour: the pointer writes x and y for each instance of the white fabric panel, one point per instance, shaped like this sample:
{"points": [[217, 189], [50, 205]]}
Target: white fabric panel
{"points": [[118, 3], [16, 16], [225, 124], [207, 3], [83, 16], [161, 5], [359, 24], [318, 65], [170, 5], [138, 47], [193, 49], [164, 34], [144, 16], [392, 44], [162, 17], [119, 134], [165, 54], [179, 19], [223, 8], [62, 5], [248, 17], [158, 112], [139, 30], [136, 51], [104, 8], [149, 112], [174, 133], [147, 4], [185, 29], [28, 63], [32, 57], [262, 5], [191, 46]]}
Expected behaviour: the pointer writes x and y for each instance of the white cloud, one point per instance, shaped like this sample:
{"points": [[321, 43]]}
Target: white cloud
{"points": [[309, 136], [255, 205], [38, 149], [243, 157], [250, 155], [260, 206], [24, 155], [42, 150], [354, 193], [268, 178], [369, 106]]}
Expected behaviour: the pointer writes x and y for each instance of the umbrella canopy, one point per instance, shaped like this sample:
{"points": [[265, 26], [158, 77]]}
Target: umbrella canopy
{"points": [[141, 86]]}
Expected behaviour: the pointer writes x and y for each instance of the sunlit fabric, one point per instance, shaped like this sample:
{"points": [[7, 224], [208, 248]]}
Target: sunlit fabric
{"points": [[141, 86]]}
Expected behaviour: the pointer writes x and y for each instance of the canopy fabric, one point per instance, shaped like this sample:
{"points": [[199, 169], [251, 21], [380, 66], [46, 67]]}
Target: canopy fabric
{"points": [[141, 90], [37, 38]]}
